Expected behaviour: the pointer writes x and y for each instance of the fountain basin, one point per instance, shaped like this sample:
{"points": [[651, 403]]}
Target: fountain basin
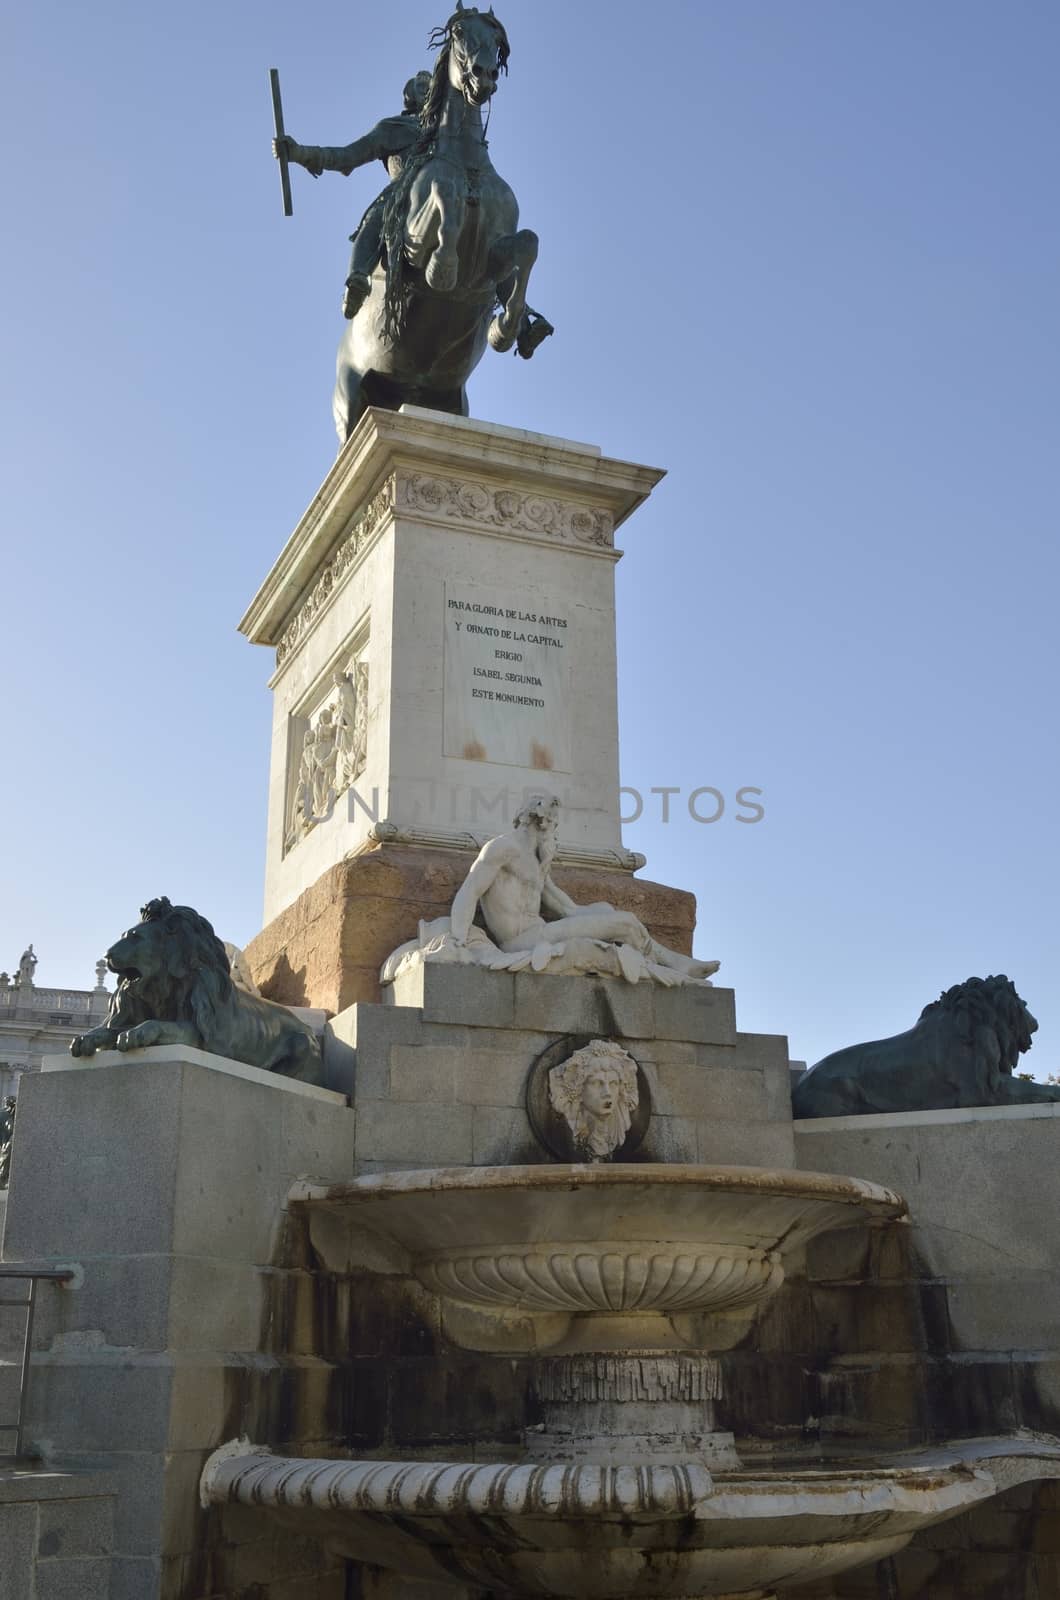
{"points": [[606, 1532], [608, 1241]]}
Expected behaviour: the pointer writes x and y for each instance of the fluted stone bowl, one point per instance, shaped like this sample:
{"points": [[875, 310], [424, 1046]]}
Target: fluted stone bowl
{"points": [[605, 1533], [607, 1240]]}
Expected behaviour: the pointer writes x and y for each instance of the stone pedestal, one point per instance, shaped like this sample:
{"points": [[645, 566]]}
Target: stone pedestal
{"points": [[438, 1073], [444, 624], [163, 1179]]}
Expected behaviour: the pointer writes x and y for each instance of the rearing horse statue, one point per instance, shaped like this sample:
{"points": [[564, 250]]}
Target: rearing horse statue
{"points": [[451, 264]]}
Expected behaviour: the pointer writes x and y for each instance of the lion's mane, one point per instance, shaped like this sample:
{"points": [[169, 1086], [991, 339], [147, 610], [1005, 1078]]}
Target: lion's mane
{"points": [[987, 1003], [194, 983]]}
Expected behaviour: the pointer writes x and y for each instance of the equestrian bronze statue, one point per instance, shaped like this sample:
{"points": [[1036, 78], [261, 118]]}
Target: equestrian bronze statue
{"points": [[440, 265]]}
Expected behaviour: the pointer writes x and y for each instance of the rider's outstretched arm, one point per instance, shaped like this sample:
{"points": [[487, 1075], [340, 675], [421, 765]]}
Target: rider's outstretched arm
{"points": [[318, 158], [389, 137]]}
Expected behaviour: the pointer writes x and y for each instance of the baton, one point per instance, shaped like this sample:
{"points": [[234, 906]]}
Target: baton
{"points": [[277, 113]]}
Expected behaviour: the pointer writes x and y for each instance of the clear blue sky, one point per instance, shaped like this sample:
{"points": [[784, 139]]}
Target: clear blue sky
{"points": [[805, 256]]}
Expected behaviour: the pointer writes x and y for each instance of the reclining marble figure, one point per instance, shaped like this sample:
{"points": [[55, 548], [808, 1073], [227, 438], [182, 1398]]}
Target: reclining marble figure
{"points": [[530, 923]]}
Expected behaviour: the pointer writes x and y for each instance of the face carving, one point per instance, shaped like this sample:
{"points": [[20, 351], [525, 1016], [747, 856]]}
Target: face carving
{"points": [[595, 1091]]}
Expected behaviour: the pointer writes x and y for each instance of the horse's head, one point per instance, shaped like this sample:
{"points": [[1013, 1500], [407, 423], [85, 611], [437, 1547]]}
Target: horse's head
{"points": [[475, 53]]}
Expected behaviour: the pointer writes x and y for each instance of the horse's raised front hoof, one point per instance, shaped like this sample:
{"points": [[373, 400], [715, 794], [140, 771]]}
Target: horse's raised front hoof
{"points": [[534, 331], [500, 339], [441, 273]]}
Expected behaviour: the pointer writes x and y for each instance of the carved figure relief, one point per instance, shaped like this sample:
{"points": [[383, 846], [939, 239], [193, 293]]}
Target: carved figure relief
{"points": [[595, 1092], [334, 751], [352, 723]]}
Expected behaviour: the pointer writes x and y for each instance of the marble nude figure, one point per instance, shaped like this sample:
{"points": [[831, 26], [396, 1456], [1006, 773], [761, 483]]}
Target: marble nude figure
{"points": [[531, 923]]}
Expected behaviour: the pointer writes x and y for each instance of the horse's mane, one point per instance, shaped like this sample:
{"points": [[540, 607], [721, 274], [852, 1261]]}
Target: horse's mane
{"points": [[431, 111], [396, 208]]}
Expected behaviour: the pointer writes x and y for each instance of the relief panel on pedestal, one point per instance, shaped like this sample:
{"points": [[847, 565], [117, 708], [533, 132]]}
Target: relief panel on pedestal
{"points": [[327, 745]]}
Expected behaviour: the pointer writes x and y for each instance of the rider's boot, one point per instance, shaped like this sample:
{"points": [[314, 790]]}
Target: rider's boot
{"points": [[358, 288]]}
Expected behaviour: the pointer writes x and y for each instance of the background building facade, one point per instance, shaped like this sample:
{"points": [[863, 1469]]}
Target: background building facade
{"points": [[35, 1022]]}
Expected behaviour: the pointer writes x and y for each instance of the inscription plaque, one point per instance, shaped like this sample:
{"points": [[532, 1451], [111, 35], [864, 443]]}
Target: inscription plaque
{"points": [[507, 678]]}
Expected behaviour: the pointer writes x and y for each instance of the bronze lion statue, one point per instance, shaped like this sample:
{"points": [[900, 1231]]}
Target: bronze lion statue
{"points": [[962, 1052], [175, 987]]}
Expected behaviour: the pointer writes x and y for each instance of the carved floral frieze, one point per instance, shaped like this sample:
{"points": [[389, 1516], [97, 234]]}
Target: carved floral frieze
{"points": [[464, 500], [457, 500], [335, 569]]}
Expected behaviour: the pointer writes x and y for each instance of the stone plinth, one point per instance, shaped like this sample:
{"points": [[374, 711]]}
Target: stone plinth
{"points": [[444, 624], [438, 1073], [327, 948], [949, 1326], [980, 1183], [163, 1177], [56, 1534]]}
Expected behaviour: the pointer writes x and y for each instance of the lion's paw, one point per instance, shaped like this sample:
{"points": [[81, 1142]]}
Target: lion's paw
{"points": [[140, 1037]]}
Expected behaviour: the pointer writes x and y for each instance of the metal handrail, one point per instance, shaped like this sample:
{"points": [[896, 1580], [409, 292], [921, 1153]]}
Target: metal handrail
{"points": [[33, 1275]]}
